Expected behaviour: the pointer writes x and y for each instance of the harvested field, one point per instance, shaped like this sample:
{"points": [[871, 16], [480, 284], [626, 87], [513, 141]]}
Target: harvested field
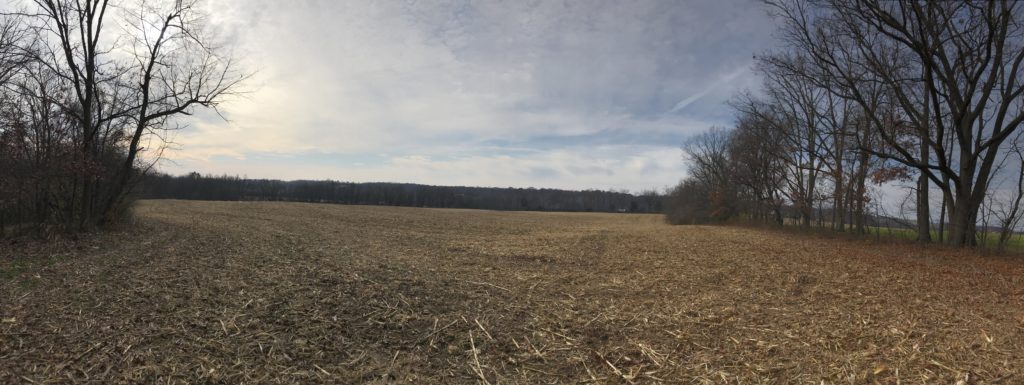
{"points": [[217, 292]]}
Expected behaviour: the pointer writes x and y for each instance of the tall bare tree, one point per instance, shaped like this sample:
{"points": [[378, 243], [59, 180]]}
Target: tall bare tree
{"points": [[953, 69], [754, 152], [792, 106], [131, 69]]}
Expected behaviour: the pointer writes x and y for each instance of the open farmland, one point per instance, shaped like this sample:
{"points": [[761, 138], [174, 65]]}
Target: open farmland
{"points": [[218, 292]]}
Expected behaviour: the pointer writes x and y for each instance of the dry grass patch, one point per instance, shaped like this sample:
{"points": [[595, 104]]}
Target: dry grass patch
{"points": [[214, 292]]}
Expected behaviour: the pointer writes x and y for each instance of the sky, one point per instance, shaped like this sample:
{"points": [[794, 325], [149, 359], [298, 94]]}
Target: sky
{"points": [[587, 94]]}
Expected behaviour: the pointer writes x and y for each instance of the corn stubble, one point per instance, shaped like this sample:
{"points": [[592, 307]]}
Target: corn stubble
{"points": [[217, 292]]}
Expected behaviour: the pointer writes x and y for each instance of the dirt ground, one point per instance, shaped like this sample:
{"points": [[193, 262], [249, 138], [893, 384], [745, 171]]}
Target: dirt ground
{"points": [[217, 292]]}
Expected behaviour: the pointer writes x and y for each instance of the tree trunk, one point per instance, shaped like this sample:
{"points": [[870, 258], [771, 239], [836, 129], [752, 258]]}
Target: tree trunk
{"points": [[924, 224], [839, 207], [861, 190], [942, 218], [962, 226]]}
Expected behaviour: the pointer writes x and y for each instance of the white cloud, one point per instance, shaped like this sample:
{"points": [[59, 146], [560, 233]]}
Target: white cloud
{"points": [[455, 90]]}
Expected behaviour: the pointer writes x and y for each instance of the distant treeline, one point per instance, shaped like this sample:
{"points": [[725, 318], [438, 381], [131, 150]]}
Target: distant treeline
{"points": [[232, 188]]}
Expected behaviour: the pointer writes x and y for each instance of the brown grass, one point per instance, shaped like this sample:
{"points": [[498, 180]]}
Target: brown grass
{"points": [[208, 292]]}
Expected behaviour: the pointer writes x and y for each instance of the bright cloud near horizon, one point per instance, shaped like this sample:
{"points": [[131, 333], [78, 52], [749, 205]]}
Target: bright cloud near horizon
{"points": [[562, 94]]}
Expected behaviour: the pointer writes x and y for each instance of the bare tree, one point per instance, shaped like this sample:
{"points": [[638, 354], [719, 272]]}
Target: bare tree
{"points": [[1005, 205], [125, 83], [757, 167], [708, 193], [953, 69], [792, 107]]}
